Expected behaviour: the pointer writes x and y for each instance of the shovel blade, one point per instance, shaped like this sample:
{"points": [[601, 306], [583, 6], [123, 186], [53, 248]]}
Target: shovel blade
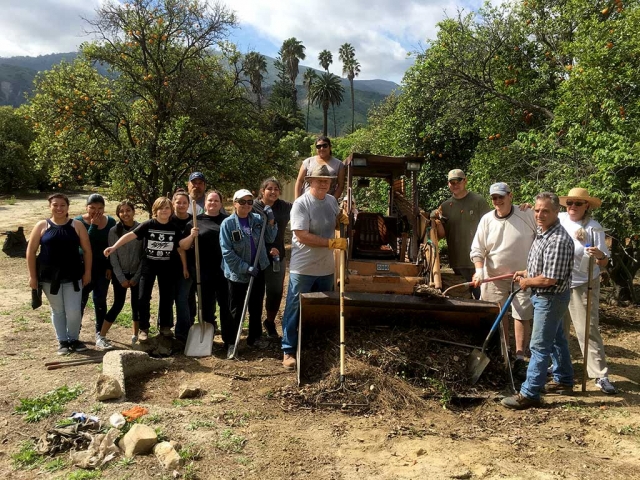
{"points": [[476, 363], [199, 340]]}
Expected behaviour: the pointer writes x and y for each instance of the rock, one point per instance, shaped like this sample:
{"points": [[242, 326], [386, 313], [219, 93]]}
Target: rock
{"points": [[218, 398], [167, 455], [189, 391], [420, 452], [108, 388], [138, 441], [121, 364]]}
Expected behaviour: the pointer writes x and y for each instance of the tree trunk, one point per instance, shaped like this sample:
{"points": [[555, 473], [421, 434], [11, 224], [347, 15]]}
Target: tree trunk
{"points": [[335, 127], [353, 108], [625, 263], [325, 111]]}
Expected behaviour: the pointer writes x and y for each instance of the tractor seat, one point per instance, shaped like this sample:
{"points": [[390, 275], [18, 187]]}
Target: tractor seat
{"points": [[370, 237]]}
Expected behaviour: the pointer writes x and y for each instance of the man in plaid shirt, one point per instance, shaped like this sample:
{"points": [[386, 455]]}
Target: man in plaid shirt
{"points": [[548, 274]]}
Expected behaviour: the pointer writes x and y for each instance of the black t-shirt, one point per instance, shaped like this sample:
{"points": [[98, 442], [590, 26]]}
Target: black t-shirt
{"points": [[282, 213], [160, 240], [181, 223], [208, 245]]}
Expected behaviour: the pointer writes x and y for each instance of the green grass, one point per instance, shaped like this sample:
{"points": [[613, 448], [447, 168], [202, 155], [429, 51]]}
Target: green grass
{"points": [[83, 475], [628, 430], [125, 319], [235, 419], [162, 436], [65, 422], [190, 452], [20, 324], [178, 403], [8, 201], [190, 472], [124, 462], [229, 442], [54, 465], [244, 461], [196, 424], [26, 458], [51, 403]]}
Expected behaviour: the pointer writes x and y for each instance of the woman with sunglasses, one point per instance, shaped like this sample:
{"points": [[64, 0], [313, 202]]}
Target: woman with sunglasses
{"points": [[240, 243], [588, 238], [323, 157]]}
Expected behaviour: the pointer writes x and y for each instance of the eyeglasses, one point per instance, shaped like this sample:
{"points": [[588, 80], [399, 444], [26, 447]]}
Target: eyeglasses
{"points": [[322, 145], [571, 203], [497, 197], [455, 181], [242, 201]]}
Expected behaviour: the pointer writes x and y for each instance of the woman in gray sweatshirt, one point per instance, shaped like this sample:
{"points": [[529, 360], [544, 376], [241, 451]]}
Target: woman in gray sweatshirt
{"points": [[127, 266]]}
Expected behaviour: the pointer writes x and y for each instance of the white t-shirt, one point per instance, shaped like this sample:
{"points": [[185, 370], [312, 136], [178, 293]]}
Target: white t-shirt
{"points": [[317, 217], [579, 277], [503, 243]]}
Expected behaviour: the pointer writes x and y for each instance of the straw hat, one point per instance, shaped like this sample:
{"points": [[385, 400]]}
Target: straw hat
{"points": [[581, 194], [320, 171]]}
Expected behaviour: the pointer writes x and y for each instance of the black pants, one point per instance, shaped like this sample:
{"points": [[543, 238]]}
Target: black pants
{"points": [[237, 294], [119, 297], [274, 284], [99, 286], [166, 276]]}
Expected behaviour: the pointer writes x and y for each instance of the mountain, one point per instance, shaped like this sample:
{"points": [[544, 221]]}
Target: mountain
{"points": [[17, 75]]}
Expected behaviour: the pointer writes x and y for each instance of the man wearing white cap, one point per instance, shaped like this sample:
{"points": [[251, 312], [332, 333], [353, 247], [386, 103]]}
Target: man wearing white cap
{"points": [[457, 219], [313, 222], [501, 245]]}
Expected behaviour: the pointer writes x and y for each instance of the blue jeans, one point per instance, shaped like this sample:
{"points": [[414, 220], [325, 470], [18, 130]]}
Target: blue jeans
{"points": [[548, 339], [66, 314], [98, 287], [299, 284]]}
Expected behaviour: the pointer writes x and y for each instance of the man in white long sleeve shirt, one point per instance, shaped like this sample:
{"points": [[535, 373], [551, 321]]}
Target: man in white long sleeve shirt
{"points": [[501, 245]]}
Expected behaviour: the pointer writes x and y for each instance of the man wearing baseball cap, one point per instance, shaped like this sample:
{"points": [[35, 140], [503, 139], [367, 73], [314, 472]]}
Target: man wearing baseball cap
{"points": [[501, 245], [197, 186], [457, 219]]}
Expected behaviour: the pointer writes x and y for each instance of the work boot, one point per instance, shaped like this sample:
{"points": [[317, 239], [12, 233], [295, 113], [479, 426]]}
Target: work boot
{"points": [[558, 388], [289, 361], [520, 402]]}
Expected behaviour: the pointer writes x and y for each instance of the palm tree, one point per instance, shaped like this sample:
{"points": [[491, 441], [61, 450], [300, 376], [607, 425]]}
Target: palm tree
{"points": [[255, 65], [307, 81], [325, 58], [291, 52], [350, 68], [328, 90]]}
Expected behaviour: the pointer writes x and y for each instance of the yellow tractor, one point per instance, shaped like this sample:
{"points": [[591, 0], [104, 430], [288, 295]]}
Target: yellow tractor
{"points": [[392, 270]]}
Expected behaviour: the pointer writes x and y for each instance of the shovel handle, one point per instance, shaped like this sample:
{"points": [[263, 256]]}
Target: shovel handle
{"points": [[486, 280], [503, 310], [87, 361]]}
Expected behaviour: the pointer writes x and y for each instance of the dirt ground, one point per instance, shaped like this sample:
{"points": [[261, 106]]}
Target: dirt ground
{"points": [[253, 421]]}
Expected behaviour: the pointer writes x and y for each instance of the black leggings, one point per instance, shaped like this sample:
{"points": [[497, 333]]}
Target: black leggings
{"points": [[237, 294], [166, 278], [119, 297]]}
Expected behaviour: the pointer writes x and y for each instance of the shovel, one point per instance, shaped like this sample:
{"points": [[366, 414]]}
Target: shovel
{"points": [[486, 280], [478, 359], [200, 337], [245, 307]]}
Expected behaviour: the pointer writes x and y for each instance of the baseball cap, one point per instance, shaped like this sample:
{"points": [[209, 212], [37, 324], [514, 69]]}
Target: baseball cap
{"points": [[197, 176], [456, 174], [241, 193], [499, 188]]}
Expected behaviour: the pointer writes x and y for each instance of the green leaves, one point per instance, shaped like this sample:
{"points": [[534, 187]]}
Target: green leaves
{"points": [[51, 403]]}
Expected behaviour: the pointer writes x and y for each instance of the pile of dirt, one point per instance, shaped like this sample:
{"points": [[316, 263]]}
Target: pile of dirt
{"points": [[390, 369]]}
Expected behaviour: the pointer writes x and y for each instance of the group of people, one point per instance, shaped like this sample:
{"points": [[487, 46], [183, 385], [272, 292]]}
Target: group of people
{"points": [[545, 250], [82, 256]]}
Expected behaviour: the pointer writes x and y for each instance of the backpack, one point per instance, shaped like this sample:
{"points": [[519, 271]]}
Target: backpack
{"points": [[15, 245]]}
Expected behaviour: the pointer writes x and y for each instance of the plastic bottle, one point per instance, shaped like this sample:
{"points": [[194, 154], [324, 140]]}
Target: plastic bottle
{"points": [[276, 263], [584, 263]]}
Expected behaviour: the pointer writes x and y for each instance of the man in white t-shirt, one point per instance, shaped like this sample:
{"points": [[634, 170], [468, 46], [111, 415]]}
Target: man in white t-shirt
{"points": [[313, 222], [501, 245]]}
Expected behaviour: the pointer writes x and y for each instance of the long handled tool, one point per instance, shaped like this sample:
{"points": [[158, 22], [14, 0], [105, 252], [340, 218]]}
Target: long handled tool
{"points": [[435, 270], [245, 307], [342, 389], [200, 337], [478, 359], [486, 280], [72, 363], [507, 361], [587, 327]]}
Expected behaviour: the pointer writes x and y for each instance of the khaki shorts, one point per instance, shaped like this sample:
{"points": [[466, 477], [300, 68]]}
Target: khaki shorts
{"points": [[498, 292]]}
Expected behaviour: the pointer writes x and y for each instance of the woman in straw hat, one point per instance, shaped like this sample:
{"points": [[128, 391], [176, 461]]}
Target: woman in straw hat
{"points": [[588, 238]]}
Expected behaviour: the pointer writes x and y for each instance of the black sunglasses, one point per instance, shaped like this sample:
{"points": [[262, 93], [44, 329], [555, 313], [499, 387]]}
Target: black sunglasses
{"points": [[577, 203], [242, 201], [322, 145]]}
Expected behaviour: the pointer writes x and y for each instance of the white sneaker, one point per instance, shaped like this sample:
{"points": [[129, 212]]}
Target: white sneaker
{"points": [[606, 386], [103, 344]]}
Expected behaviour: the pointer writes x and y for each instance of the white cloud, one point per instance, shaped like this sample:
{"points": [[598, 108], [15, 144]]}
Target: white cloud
{"points": [[381, 31]]}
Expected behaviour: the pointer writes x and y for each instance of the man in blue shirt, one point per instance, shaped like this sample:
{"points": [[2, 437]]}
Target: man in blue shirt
{"points": [[548, 274]]}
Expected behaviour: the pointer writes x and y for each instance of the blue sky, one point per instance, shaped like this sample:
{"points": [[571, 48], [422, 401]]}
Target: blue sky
{"points": [[381, 31]]}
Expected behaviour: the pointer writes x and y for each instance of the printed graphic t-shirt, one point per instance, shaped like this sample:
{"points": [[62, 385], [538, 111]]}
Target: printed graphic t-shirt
{"points": [[160, 239]]}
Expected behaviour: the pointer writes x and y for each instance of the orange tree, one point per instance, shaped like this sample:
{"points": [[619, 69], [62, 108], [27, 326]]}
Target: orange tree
{"points": [[174, 102]]}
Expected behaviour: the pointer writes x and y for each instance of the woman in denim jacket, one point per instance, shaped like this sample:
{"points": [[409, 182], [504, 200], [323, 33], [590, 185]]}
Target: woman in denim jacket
{"points": [[240, 242]]}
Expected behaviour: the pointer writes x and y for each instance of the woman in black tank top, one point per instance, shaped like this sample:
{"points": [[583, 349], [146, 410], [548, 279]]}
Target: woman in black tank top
{"points": [[61, 272]]}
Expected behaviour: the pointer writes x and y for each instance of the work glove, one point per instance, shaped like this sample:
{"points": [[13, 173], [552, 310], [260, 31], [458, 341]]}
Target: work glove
{"points": [[478, 277], [268, 211], [435, 214], [253, 271], [338, 243], [343, 218]]}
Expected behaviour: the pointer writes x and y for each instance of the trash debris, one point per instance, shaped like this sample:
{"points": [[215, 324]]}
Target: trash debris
{"points": [[134, 413], [102, 449], [117, 420], [82, 417], [77, 436]]}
